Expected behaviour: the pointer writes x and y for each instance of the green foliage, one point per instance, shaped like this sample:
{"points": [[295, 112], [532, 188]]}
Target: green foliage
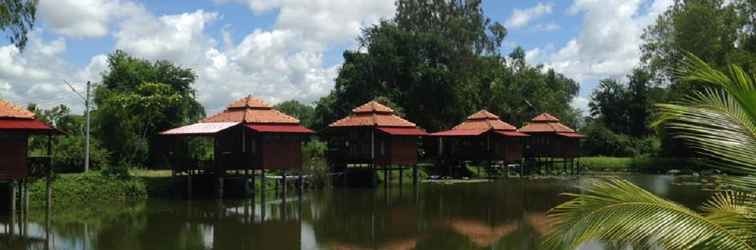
{"points": [[76, 189], [626, 108], [643, 164], [440, 61], [305, 113], [137, 100], [718, 123], [616, 210], [17, 18], [69, 154], [315, 165], [117, 171], [69, 148], [600, 140], [717, 31]]}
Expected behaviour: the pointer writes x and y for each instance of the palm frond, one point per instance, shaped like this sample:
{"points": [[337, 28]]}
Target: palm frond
{"points": [[714, 123], [616, 210]]}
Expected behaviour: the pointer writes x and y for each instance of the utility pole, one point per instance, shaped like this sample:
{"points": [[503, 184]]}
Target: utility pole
{"points": [[86, 109], [87, 114]]}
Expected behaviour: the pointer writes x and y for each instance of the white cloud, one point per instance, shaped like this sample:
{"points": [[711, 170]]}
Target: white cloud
{"points": [[280, 63], [82, 18], [37, 75], [581, 104], [179, 38], [521, 17], [608, 44]]}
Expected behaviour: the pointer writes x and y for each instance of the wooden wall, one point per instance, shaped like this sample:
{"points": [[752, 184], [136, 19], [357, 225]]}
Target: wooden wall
{"points": [[353, 146], [13, 153], [551, 145]]}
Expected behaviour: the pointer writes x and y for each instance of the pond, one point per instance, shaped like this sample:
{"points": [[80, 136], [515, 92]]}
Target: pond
{"points": [[505, 214]]}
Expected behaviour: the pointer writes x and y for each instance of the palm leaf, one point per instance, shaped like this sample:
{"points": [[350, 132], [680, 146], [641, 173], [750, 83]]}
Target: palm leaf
{"points": [[616, 210], [714, 124]]}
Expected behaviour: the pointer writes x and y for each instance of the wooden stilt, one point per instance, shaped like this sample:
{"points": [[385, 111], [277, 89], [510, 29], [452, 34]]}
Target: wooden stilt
{"points": [[283, 182], [262, 185], [219, 187], [385, 177], [414, 175], [401, 176], [253, 177], [12, 201], [189, 190]]}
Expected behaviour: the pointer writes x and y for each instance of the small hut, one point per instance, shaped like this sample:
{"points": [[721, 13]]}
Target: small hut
{"points": [[374, 137], [482, 137], [551, 140], [248, 135], [16, 125]]}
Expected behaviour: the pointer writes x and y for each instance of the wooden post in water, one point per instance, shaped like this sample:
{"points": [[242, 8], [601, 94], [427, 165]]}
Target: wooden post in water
{"points": [[189, 184], [414, 175], [283, 182], [26, 198], [12, 201], [401, 176]]}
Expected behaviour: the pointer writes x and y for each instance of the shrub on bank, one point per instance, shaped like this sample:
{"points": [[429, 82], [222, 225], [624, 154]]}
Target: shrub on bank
{"points": [[87, 188], [640, 164]]}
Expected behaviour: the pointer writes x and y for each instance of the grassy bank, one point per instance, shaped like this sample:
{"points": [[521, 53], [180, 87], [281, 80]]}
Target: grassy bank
{"points": [[92, 187], [640, 164]]}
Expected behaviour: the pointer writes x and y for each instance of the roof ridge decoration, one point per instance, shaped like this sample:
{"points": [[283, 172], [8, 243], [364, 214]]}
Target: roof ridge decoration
{"points": [[10, 110], [372, 107], [545, 123], [371, 114], [484, 120], [251, 110]]}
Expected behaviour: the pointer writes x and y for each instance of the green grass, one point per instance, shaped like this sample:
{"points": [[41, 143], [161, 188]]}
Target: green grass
{"points": [[640, 164]]}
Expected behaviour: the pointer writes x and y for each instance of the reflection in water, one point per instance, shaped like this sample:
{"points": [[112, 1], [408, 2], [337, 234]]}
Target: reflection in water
{"points": [[507, 214]]}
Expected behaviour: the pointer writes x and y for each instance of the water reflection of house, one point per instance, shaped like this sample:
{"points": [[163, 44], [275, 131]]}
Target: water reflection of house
{"points": [[483, 235]]}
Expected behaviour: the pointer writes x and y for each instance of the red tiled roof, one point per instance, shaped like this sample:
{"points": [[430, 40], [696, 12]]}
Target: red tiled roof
{"points": [[571, 135], [512, 133], [484, 120], [460, 132], [29, 125], [545, 123], [404, 131], [372, 114], [9, 110], [545, 117], [372, 107], [280, 128], [251, 110]]}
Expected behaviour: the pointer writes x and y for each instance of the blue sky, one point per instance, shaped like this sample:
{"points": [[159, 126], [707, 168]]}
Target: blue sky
{"points": [[291, 49]]}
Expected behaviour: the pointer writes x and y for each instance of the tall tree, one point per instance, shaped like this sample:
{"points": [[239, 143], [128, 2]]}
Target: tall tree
{"points": [[138, 99], [298, 110], [720, 32], [17, 18], [440, 61]]}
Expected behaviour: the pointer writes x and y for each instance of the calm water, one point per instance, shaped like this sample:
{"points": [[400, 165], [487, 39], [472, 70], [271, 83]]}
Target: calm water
{"points": [[507, 214]]}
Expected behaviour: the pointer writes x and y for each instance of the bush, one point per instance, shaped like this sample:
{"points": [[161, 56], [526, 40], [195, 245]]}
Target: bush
{"points": [[117, 171], [69, 155], [602, 141], [77, 189]]}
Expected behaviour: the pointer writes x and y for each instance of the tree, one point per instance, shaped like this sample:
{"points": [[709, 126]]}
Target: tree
{"points": [[718, 31], [298, 110], [136, 100], [718, 123], [440, 61], [17, 18]]}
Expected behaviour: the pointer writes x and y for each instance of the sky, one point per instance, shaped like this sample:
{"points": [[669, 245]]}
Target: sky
{"points": [[292, 49]]}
